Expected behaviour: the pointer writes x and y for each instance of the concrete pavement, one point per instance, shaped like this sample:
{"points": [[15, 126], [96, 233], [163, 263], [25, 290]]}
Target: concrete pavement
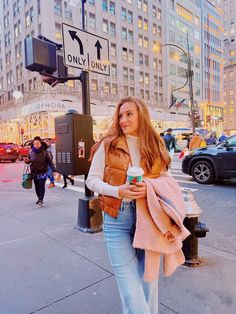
{"points": [[47, 266]]}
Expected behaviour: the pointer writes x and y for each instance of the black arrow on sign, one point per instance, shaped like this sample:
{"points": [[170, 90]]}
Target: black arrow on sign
{"points": [[99, 47], [75, 37]]}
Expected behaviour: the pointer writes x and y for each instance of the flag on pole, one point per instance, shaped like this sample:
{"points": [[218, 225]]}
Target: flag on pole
{"points": [[179, 103]]}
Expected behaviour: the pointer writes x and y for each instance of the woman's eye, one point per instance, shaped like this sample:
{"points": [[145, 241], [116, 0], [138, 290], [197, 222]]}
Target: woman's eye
{"points": [[129, 114]]}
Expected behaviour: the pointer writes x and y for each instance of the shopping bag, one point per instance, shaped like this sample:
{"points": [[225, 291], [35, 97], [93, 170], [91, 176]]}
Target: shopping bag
{"points": [[26, 179]]}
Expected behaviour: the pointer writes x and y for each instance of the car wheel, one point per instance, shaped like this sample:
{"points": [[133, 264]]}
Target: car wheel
{"points": [[13, 160], [203, 172]]}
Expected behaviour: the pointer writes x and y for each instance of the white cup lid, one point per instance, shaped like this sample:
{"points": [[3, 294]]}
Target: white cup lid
{"points": [[135, 171]]}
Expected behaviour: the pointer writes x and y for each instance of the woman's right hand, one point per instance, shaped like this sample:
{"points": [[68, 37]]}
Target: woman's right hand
{"points": [[125, 191], [26, 160]]}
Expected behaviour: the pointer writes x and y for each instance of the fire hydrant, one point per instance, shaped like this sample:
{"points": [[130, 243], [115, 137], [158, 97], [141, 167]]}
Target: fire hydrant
{"points": [[195, 227]]}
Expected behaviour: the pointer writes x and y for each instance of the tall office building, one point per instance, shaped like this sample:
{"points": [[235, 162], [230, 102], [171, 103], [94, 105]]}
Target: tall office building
{"points": [[182, 21], [229, 8], [133, 29], [212, 66]]}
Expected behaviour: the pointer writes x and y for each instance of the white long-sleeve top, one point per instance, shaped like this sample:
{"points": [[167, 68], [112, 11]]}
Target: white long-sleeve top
{"points": [[95, 177]]}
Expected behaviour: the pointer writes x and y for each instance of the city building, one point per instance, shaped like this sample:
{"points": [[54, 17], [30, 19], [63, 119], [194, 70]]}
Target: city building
{"points": [[183, 29], [212, 106], [135, 29], [229, 8]]}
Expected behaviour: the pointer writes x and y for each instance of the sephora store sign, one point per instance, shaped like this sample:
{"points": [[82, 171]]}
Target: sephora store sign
{"points": [[49, 105]]}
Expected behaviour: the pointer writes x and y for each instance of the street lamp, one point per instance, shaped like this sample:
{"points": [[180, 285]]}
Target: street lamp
{"points": [[189, 77]]}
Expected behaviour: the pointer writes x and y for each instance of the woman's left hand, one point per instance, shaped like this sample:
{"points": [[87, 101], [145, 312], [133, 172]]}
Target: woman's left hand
{"points": [[140, 187]]}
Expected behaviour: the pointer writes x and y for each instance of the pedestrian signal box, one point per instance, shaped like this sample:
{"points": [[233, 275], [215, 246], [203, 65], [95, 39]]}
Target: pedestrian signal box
{"points": [[74, 139]]}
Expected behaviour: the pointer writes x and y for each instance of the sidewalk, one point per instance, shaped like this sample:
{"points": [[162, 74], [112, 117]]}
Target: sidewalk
{"points": [[47, 266]]}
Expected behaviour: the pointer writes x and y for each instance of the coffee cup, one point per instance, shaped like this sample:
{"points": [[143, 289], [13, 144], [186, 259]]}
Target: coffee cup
{"points": [[134, 175]]}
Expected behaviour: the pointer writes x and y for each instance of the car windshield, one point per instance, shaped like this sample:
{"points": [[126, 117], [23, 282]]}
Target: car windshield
{"points": [[231, 141]]}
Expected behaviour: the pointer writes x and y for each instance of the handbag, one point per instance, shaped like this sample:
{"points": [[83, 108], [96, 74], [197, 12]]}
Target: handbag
{"points": [[27, 178]]}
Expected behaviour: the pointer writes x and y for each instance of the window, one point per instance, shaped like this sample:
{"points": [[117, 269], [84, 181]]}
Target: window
{"points": [[113, 29], [197, 49], [146, 60], [131, 74], [31, 14], [130, 17], [124, 33], [107, 88], [92, 2], [94, 85], [145, 43], [131, 91], [145, 25], [112, 8], [27, 18], [146, 79], [147, 94], [125, 73], [130, 36], [123, 14], [126, 91], [104, 5], [141, 77], [232, 53], [140, 22], [113, 50], [105, 26], [114, 89], [141, 59], [92, 20], [125, 54], [140, 40], [154, 29], [184, 13], [197, 63], [145, 6], [131, 56], [58, 34], [159, 14], [114, 70]]}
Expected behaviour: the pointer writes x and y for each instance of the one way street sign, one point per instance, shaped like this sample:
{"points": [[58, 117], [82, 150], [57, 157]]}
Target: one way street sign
{"points": [[85, 51]]}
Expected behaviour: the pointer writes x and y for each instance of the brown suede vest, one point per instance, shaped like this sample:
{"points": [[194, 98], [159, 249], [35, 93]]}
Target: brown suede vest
{"points": [[115, 173]]}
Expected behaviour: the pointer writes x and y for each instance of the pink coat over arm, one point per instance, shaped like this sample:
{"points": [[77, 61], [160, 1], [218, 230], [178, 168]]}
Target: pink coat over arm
{"points": [[161, 211]]}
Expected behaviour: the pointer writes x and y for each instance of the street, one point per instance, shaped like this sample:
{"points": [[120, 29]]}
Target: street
{"points": [[47, 266]]}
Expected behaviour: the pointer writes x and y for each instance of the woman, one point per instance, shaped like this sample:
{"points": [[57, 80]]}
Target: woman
{"points": [[39, 160], [131, 141]]}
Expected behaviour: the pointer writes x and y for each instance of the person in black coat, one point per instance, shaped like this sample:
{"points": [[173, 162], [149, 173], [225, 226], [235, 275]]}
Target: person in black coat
{"points": [[39, 160]]}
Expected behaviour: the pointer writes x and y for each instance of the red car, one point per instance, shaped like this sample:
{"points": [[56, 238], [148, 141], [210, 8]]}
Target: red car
{"points": [[8, 151]]}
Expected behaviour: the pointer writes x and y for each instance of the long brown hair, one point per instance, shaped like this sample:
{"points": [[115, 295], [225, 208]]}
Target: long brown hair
{"points": [[151, 144]]}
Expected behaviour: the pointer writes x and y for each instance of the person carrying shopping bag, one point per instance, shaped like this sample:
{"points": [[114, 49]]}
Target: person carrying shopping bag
{"points": [[39, 160], [132, 142]]}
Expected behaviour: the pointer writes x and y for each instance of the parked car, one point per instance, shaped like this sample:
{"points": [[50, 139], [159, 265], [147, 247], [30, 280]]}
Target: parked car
{"points": [[207, 164], [8, 151]]}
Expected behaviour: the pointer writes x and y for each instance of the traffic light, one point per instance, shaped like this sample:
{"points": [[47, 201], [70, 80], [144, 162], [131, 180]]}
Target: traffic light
{"points": [[196, 120]]}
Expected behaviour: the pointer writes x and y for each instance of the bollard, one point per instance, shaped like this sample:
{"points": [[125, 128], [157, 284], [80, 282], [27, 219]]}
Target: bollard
{"points": [[89, 215], [195, 227]]}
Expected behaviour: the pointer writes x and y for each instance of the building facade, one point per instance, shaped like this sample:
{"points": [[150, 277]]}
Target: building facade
{"points": [[135, 30], [229, 8], [212, 106]]}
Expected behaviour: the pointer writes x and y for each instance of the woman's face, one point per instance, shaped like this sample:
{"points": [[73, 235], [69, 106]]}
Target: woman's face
{"points": [[37, 144], [129, 119]]}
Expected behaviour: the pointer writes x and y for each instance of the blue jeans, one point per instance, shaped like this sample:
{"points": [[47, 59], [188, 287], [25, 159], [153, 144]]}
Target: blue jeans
{"points": [[50, 175], [137, 296]]}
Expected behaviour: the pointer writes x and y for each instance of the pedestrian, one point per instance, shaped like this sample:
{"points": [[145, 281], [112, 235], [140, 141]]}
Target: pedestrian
{"points": [[169, 142], [50, 173], [65, 178], [131, 140], [39, 160], [211, 139], [196, 141], [222, 138]]}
